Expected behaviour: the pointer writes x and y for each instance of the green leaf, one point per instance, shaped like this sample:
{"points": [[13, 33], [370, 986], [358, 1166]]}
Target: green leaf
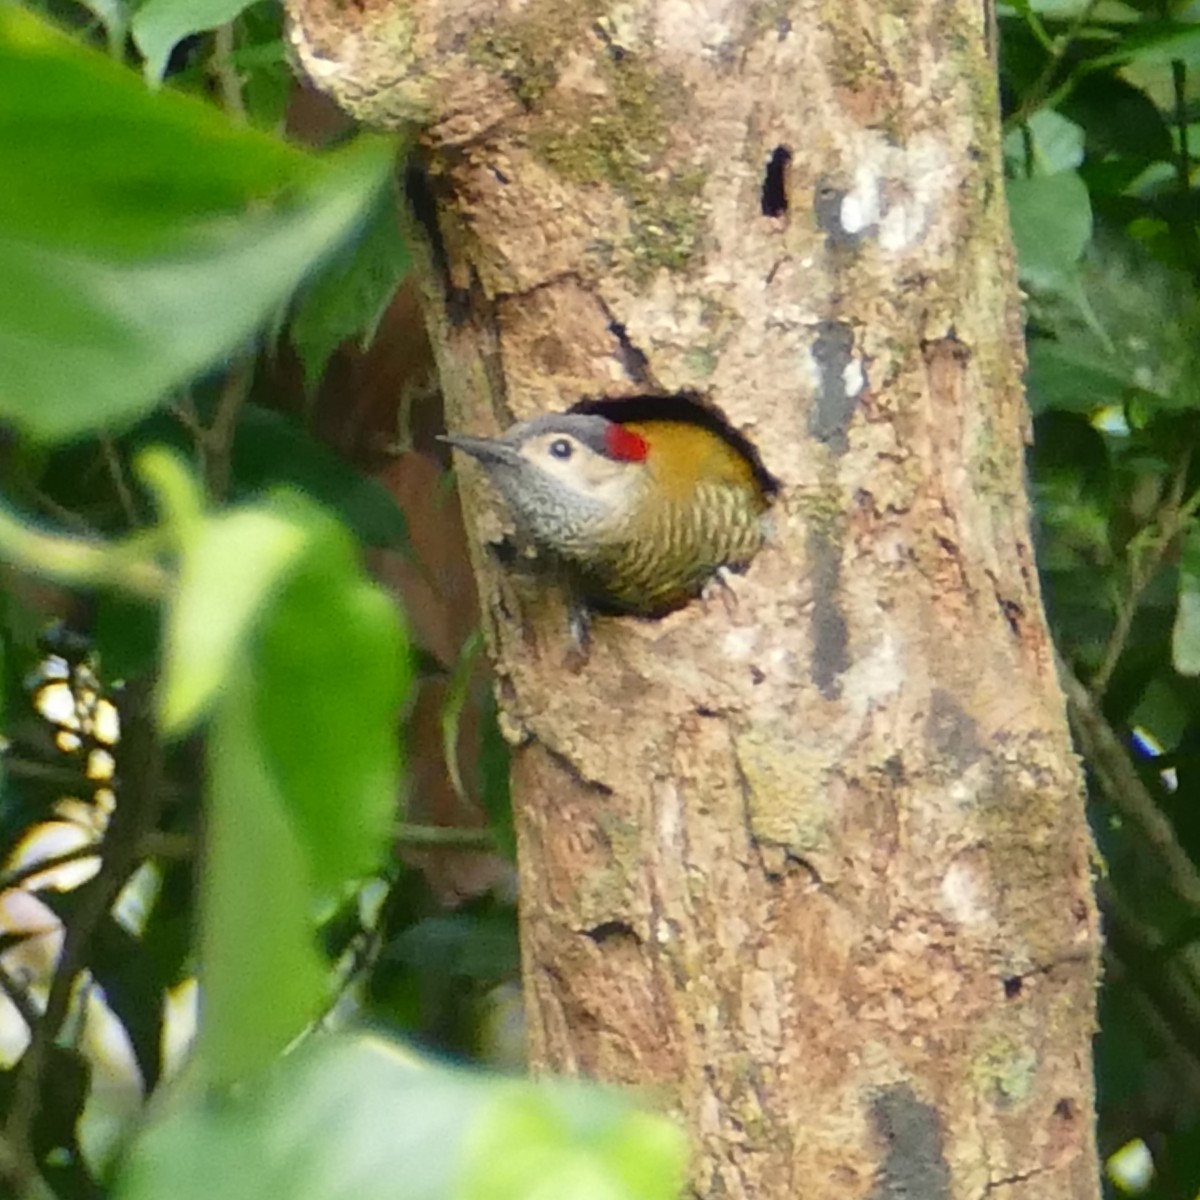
{"points": [[359, 1119], [349, 297], [1156, 42], [1185, 636], [1119, 119], [227, 575], [493, 776], [1061, 10], [581, 1143], [331, 670], [159, 24], [1162, 711], [1132, 343], [125, 273], [262, 977], [1052, 224], [1057, 143], [114, 15], [270, 449], [1070, 377]]}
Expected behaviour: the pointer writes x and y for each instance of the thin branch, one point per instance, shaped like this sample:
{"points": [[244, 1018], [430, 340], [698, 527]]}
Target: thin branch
{"points": [[1057, 49], [116, 471], [130, 565], [1110, 763], [1146, 553], [1182, 1058], [225, 72], [154, 845], [220, 435], [72, 778], [18, 995], [1183, 158], [24, 1175], [214, 443], [66, 517], [134, 817], [18, 876], [445, 835], [1168, 982]]}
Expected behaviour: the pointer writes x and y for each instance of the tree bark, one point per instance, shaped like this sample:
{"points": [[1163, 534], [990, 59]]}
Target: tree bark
{"points": [[814, 861]]}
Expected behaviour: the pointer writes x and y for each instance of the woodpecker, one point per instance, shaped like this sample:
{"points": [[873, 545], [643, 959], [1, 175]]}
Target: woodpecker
{"points": [[641, 513]]}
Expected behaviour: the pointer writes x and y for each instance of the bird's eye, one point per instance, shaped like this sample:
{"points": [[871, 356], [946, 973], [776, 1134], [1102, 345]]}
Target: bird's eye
{"points": [[561, 448]]}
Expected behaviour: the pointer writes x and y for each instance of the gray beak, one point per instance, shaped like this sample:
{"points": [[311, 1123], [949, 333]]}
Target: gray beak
{"points": [[486, 450]]}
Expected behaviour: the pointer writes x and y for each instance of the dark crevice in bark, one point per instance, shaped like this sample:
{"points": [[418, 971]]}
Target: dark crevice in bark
{"points": [[774, 188]]}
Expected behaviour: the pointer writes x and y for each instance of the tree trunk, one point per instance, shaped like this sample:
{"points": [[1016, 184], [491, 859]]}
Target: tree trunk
{"points": [[814, 860]]}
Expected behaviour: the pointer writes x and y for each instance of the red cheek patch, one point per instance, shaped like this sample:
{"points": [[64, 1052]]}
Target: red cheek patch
{"points": [[624, 444]]}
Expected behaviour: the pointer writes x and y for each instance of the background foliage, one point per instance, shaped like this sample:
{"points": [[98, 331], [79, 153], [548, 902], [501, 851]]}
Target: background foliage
{"points": [[202, 770], [1101, 101], [214, 391]]}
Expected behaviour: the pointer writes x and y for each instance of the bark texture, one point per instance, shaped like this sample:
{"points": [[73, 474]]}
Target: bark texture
{"points": [[814, 862]]}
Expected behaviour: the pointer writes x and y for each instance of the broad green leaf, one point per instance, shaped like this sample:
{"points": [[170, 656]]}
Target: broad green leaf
{"points": [[1057, 143], [1185, 636], [1162, 711], [125, 274], [1136, 344], [472, 945], [271, 449], [69, 118], [263, 65], [263, 980], [1052, 224], [577, 1142], [227, 576], [160, 24], [493, 775], [1124, 126], [1061, 10], [331, 668], [277, 588], [114, 15], [1069, 377], [351, 294], [1156, 42], [358, 1119]]}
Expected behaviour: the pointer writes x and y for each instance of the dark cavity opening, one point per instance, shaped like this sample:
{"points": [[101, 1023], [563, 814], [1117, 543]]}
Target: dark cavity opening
{"points": [[680, 406], [609, 931], [774, 188], [1012, 987], [634, 362]]}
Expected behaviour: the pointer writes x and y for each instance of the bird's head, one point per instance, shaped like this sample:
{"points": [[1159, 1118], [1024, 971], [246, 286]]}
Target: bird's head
{"points": [[566, 475]]}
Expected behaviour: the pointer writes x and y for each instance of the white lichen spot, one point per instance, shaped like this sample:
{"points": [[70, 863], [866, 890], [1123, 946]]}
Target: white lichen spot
{"points": [[962, 897], [854, 378], [897, 191], [703, 31], [668, 815], [962, 793], [813, 367], [875, 676], [662, 931], [623, 26], [739, 643], [923, 175], [860, 205]]}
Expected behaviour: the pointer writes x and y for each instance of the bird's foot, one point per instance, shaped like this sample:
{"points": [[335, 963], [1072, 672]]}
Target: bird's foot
{"points": [[579, 625], [719, 584]]}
